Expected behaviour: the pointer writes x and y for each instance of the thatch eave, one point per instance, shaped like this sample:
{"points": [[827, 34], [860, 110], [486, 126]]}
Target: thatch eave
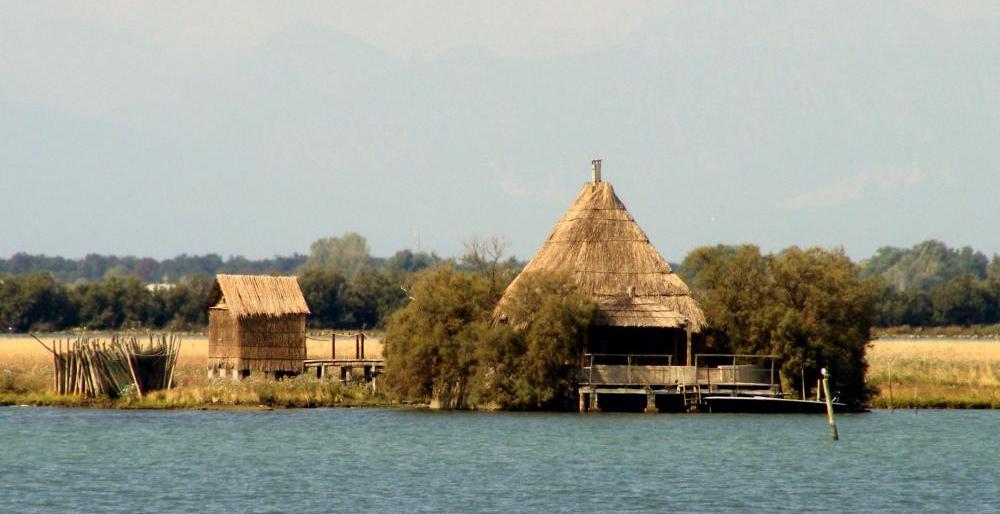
{"points": [[258, 296]]}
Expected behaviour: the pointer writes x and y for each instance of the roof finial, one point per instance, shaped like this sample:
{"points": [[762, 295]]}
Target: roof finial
{"points": [[595, 168]]}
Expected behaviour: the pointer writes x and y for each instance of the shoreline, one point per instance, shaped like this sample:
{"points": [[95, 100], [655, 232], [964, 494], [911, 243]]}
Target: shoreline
{"points": [[159, 402]]}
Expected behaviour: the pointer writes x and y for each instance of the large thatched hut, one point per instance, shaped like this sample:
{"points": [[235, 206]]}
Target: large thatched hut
{"points": [[256, 323], [643, 307]]}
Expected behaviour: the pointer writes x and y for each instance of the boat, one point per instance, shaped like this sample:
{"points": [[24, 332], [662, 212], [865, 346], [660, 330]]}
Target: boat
{"points": [[768, 405]]}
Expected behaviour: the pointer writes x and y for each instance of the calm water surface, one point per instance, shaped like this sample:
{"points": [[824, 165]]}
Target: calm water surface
{"points": [[343, 460]]}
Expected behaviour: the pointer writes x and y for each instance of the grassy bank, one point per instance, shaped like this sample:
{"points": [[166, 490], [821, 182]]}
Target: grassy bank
{"points": [[221, 393], [26, 379]]}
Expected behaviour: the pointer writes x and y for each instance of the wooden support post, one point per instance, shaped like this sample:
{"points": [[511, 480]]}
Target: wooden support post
{"points": [[211, 373], [583, 401], [687, 331], [594, 405], [362, 345], [829, 405], [333, 345], [650, 403], [357, 346]]}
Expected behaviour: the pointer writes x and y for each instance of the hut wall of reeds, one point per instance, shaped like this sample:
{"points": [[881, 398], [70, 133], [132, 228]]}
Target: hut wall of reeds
{"points": [[256, 323], [643, 307]]}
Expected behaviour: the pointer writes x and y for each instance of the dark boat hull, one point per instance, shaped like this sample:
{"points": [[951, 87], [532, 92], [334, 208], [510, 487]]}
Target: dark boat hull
{"points": [[765, 405]]}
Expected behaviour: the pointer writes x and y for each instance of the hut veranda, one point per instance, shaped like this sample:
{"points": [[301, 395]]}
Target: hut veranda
{"points": [[643, 343], [256, 324]]}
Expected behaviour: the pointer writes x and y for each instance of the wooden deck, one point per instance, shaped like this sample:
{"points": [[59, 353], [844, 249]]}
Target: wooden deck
{"points": [[624, 380]]}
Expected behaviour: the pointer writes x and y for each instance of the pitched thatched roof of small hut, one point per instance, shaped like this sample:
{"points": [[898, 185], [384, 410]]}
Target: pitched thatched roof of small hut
{"points": [[258, 296], [609, 257]]}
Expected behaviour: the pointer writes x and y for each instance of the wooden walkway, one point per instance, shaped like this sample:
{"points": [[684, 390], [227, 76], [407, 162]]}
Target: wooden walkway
{"points": [[346, 370]]}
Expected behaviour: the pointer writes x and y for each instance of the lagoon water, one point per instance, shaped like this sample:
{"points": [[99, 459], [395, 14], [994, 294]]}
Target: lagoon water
{"points": [[364, 460]]}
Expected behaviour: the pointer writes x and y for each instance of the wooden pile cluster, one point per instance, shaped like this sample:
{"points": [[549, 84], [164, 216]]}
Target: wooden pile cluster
{"points": [[98, 367]]}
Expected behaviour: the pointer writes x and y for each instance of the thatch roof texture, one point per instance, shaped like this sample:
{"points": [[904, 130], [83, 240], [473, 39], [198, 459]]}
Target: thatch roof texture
{"points": [[247, 296], [610, 258]]}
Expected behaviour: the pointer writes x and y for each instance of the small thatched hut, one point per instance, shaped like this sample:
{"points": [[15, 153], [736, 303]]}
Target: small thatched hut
{"points": [[256, 323], [643, 307]]}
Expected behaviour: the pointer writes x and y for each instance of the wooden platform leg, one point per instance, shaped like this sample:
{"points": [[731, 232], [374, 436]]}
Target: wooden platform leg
{"points": [[594, 405], [583, 401], [651, 403]]}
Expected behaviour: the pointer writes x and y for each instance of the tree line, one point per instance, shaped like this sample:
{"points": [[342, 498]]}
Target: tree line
{"points": [[344, 286], [929, 284]]}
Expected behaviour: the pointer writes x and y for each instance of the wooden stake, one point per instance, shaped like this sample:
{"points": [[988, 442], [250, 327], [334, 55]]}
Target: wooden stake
{"points": [[829, 405], [890, 387], [131, 369], [43, 344]]}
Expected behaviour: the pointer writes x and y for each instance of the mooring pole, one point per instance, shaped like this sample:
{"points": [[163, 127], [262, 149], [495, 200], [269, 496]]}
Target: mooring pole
{"points": [[829, 405], [890, 387]]}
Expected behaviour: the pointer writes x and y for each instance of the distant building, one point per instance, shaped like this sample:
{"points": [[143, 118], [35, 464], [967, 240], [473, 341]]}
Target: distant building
{"points": [[256, 323], [163, 286]]}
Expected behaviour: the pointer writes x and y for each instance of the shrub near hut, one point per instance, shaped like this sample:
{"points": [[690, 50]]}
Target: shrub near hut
{"points": [[444, 347], [533, 359]]}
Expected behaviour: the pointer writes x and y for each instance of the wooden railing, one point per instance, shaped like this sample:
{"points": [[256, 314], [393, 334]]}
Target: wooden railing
{"points": [[729, 370], [629, 369]]}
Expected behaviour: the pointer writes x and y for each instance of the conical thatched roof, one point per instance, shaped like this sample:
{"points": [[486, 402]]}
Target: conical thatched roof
{"points": [[599, 243], [258, 296]]}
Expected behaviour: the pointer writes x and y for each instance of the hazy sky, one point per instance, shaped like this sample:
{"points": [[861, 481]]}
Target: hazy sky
{"points": [[247, 128]]}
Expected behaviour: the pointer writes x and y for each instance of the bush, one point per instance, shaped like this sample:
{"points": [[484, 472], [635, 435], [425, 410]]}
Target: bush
{"points": [[444, 346]]}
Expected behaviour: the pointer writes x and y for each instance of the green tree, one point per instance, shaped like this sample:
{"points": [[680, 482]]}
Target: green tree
{"points": [[445, 345], [431, 343], [325, 292], [828, 312], [734, 286], [531, 360], [184, 304], [963, 300], [34, 302], [370, 298], [810, 307], [347, 254], [116, 303]]}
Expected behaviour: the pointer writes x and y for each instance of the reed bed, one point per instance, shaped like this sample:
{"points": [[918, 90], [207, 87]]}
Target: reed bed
{"points": [[944, 373]]}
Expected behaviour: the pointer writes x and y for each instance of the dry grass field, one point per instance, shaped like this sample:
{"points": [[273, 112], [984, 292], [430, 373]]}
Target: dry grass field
{"points": [[935, 372], [924, 373]]}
